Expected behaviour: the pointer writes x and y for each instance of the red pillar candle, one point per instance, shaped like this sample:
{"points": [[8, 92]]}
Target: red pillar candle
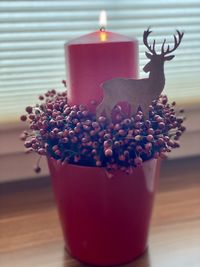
{"points": [[94, 58]]}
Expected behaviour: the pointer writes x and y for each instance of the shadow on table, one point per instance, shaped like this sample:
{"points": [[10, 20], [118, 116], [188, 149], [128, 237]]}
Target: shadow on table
{"points": [[143, 261]]}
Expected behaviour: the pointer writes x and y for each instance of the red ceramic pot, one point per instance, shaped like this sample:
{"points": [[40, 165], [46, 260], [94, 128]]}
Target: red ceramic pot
{"points": [[105, 221]]}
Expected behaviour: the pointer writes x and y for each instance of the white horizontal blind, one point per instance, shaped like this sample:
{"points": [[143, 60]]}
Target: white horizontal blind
{"points": [[32, 35]]}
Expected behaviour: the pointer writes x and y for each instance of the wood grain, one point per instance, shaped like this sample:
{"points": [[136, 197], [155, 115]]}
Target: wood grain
{"points": [[30, 234]]}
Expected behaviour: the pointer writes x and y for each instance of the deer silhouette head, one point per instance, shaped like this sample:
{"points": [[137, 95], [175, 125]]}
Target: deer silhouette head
{"points": [[157, 60]]}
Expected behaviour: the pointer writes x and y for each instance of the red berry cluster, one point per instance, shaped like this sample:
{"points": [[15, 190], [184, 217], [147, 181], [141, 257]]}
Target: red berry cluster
{"points": [[72, 134]]}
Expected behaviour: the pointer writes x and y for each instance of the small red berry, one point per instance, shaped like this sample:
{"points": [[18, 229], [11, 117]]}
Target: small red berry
{"points": [[27, 144], [102, 119], [55, 147], [41, 151], [160, 141], [108, 152], [150, 131], [29, 109], [94, 151], [121, 132], [109, 174], [41, 97], [23, 118], [149, 137], [122, 157], [138, 118], [118, 117], [85, 113], [37, 169], [182, 128], [58, 152], [139, 149], [161, 125], [98, 163], [107, 144], [148, 146], [173, 103], [23, 137], [138, 161], [117, 127], [138, 138], [31, 116]]}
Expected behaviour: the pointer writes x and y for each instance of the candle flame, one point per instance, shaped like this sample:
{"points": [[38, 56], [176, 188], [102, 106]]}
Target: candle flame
{"points": [[103, 20], [103, 36]]}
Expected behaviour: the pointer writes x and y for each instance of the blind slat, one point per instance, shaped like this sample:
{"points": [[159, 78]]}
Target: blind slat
{"points": [[25, 5], [58, 26], [14, 55], [60, 73], [192, 30], [146, 13], [52, 82]]}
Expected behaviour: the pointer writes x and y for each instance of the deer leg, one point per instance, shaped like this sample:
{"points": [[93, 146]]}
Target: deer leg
{"points": [[100, 109], [133, 110], [145, 110], [108, 111]]}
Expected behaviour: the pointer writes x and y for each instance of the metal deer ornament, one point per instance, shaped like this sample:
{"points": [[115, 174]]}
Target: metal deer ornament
{"points": [[141, 92]]}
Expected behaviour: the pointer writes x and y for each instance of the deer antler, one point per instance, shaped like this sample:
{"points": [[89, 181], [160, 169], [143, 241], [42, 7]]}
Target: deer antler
{"points": [[176, 44], [145, 41]]}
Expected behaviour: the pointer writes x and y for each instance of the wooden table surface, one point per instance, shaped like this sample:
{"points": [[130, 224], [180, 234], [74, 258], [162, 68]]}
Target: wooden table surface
{"points": [[30, 234]]}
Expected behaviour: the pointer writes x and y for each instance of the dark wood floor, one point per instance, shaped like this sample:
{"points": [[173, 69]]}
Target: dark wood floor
{"points": [[30, 234]]}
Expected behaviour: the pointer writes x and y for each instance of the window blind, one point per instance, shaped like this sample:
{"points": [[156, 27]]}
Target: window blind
{"points": [[32, 35]]}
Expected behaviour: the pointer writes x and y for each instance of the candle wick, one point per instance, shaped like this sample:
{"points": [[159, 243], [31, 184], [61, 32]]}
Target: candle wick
{"points": [[102, 29]]}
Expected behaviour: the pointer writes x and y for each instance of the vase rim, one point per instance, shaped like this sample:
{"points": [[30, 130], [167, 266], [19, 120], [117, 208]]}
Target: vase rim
{"points": [[51, 159]]}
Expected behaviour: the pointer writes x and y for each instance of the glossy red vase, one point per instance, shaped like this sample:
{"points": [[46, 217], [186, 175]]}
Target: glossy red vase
{"points": [[105, 221]]}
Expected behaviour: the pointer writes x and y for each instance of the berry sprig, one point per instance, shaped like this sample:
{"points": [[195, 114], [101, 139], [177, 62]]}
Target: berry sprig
{"points": [[72, 134]]}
